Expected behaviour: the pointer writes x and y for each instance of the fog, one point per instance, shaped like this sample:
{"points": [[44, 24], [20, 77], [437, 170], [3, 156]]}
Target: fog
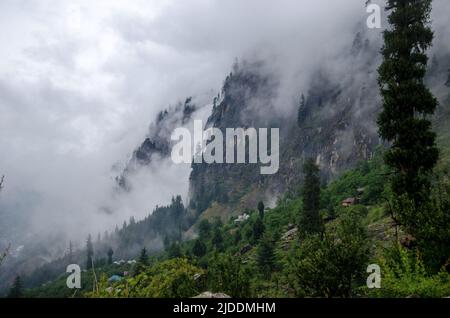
{"points": [[81, 82]]}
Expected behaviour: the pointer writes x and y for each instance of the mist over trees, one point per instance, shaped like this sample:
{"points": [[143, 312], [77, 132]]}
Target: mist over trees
{"points": [[16, 290]]}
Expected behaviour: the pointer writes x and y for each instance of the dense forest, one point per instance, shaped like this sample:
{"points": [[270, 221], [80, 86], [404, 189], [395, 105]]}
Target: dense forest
{"points": [[311, 244]]}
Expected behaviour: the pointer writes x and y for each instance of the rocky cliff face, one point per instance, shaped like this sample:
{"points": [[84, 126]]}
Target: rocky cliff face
{"points": [[335, 124], [157, 144]]}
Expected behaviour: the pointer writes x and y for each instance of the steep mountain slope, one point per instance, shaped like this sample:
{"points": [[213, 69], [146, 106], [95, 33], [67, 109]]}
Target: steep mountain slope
{"points": [[335, 124], [157, 143]]}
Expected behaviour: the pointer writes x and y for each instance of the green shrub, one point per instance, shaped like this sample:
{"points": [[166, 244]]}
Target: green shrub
{"points": [[403, 274], [170, 279], [332, 265], [227, 274]]}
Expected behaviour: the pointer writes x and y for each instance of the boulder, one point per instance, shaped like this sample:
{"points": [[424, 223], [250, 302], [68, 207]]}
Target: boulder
{"points": [[208, 294]]}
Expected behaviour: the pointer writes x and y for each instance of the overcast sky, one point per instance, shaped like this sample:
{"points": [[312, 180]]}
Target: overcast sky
{"points": [[80, 82]]}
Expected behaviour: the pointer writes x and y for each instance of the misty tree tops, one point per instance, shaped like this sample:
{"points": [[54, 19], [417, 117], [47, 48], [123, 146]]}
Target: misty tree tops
{"points": [[406, 99], [301, 110], [16, 290], [89, 252]]}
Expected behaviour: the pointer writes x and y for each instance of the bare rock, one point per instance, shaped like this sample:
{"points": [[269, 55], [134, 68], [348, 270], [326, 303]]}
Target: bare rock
{"points": [[208, 294]]}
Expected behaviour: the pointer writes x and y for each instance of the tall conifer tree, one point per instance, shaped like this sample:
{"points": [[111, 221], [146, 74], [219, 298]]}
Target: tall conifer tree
{"points": [[407, 102], [89, 252], [16, 290], [310, 219]]}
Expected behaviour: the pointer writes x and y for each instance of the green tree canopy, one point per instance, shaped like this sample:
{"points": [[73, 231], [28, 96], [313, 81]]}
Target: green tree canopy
{"points": [[310, 219], [266, 258], [407, 102], [89, 252], [199, 248]]}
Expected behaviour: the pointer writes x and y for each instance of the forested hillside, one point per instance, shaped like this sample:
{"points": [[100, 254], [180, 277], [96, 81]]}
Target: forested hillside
{"points": [[273, 253]]}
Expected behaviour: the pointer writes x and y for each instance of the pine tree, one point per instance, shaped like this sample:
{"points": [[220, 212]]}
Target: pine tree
{"points": [[16, 290], [266, 255], [301, 110], [143, 258], [330, 265], [70, 254], [110, 256], [166, 242], [407, 102], [227, 273], [199, 248], [258, 229], [217, 239], [142, 262], [261, 209], [89, 252], [237, 236], [310, 219], [174, 250], [204, 229]]}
